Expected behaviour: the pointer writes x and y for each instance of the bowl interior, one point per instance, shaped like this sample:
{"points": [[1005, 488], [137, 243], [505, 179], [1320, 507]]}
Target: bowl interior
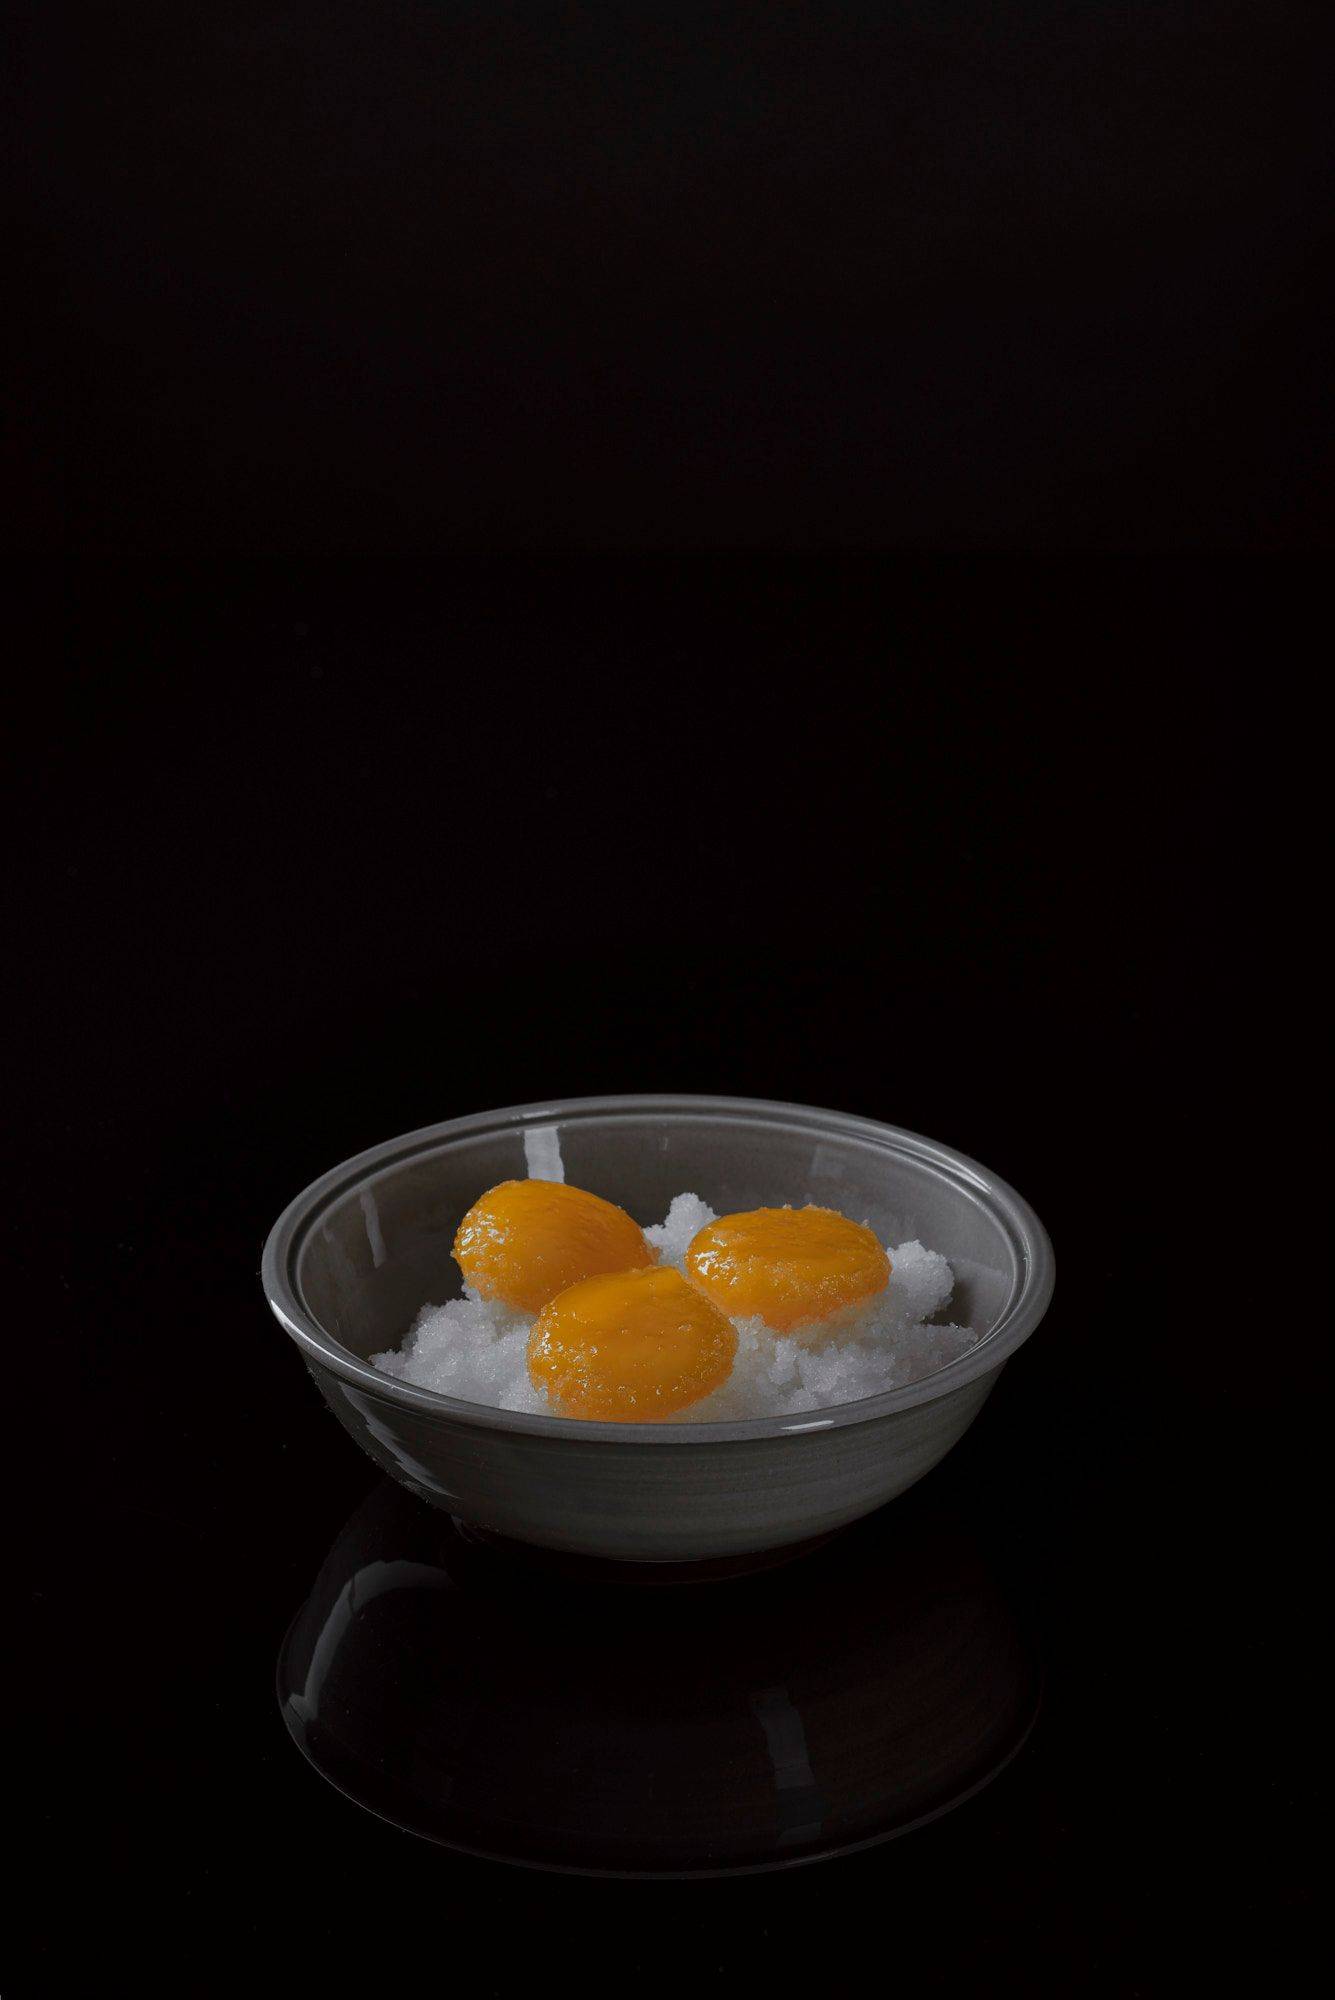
{"points": [[377, 1247]]}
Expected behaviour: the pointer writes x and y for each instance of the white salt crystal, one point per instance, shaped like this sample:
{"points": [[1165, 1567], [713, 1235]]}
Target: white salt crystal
{"points": [[685, 1219], [542, 1153], [476, 1349]]}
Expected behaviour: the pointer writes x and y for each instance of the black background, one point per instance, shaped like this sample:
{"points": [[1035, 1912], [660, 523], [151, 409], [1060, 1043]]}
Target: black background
{"points": [[938, 275], [308, 851], [308, 859]]}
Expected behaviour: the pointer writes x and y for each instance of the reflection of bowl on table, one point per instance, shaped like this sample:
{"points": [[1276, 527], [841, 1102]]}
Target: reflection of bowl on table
{"points": [[490, 1702], [350, 1262]]}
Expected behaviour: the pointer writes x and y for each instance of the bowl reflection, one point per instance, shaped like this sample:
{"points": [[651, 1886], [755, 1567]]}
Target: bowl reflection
{"points": [[533, 1713]]}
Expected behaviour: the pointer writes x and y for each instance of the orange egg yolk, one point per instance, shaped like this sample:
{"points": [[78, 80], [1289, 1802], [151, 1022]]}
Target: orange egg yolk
{"points": [[525, 1241], [789, 1265], [628, 1348]]}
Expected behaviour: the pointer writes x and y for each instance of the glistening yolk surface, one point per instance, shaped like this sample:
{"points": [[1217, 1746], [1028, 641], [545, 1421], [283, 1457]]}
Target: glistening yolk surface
{"points": [[638, 1345], [788, 1265], [525, 1241]]}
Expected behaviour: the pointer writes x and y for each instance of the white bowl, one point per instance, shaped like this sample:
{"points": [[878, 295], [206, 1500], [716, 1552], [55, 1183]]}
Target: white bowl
{"points": [[352, 1259]]}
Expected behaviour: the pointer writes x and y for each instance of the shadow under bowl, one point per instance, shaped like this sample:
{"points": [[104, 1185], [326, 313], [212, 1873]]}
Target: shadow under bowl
{"points": [[543, 1720], [351, 1261]]}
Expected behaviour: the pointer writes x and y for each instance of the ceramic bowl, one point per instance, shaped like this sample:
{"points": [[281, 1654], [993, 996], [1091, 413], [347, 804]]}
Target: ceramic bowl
{"points": [[350, 1262]]}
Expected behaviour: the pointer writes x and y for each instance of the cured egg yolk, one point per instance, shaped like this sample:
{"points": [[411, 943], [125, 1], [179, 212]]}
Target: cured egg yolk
{"points": [[525, 1241], [789, 1265], [638, 1345]]}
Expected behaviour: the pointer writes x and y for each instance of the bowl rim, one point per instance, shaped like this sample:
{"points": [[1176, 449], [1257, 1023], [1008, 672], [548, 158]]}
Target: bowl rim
{"points": [[1021, 1315]]}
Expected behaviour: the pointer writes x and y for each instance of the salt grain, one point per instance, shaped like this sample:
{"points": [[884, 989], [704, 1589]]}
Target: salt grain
{"points": [[476, 1349]]}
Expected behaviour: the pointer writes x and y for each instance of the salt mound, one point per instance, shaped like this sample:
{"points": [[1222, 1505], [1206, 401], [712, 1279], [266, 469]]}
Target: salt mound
{"points": [[684, 1220], [476, 1349]]}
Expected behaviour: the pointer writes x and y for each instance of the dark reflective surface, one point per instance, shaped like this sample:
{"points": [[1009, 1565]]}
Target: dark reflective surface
{"points": [[488, 1699]]}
